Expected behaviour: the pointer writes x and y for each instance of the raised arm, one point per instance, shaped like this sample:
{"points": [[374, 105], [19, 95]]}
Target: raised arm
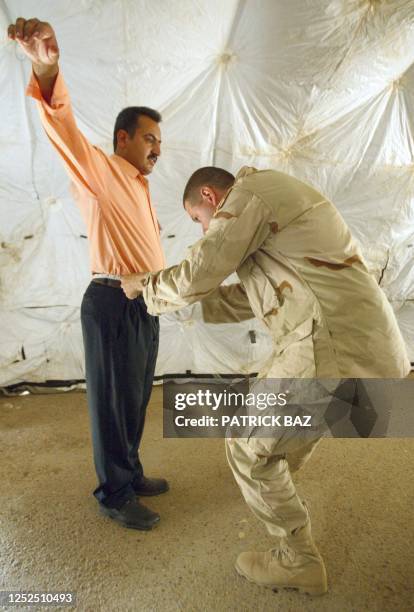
{"points": [[86, 164], [38, 41]]}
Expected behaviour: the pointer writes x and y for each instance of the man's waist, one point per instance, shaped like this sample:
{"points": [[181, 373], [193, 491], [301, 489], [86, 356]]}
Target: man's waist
{"points": [[96, 275], [110, 280]]}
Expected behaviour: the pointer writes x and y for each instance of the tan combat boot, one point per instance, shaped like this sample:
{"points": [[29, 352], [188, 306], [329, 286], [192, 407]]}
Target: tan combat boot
{"points": [[295, 564]]}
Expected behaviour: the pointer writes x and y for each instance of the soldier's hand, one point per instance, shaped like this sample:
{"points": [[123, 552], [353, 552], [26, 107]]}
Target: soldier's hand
{"points": [[37, 39], [133, 284]]}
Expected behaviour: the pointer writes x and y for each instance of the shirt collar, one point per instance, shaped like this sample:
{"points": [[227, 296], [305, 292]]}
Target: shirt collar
{"points": [[245, 171], [128, 168]]}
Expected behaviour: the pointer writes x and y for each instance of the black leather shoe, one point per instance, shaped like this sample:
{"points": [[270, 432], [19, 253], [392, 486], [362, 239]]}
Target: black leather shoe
{"points": [[133, 515], [151, 486]]}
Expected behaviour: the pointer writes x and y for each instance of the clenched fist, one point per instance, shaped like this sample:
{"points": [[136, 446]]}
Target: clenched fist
{"points": [[37, 39]]}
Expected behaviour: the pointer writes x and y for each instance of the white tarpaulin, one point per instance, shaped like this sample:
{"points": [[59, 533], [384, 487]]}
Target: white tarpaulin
{"points": [[323, 90]]}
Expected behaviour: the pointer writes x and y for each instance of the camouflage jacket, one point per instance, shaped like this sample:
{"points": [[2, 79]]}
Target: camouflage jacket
{"points": [[301, 273]]}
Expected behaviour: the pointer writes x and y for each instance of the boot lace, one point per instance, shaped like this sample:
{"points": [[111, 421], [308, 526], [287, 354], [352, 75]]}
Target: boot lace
{"points": [[283, 553]]}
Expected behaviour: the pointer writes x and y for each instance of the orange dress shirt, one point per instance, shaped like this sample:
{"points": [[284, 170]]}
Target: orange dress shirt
{"points": [[112, 194]]}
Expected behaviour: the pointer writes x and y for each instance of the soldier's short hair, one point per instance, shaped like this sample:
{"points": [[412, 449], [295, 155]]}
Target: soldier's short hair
{"points": [[210, 176]]}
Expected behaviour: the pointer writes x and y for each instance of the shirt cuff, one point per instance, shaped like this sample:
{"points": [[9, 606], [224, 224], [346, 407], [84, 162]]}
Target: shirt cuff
{"points": [[59, 99], [148, 294]]}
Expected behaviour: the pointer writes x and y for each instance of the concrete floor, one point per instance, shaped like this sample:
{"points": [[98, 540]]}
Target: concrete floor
{"points": [[360, 494]]}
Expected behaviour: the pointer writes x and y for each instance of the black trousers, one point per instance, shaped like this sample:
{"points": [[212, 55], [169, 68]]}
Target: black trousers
{"points": [[121, 345]]}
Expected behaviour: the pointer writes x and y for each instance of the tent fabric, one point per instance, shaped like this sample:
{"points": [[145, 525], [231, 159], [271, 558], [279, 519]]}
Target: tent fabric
{"points": [[323, 90]]}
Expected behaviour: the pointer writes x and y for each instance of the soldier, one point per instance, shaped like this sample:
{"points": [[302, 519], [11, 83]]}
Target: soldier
{"points": [[302, 274], [123, 231]]}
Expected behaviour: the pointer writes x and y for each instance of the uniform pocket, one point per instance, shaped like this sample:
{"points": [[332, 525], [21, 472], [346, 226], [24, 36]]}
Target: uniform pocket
{"points": [[294, 354]]}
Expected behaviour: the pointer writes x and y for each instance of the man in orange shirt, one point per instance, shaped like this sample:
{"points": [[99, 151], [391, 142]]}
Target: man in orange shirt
{"points": [[120, 337]]}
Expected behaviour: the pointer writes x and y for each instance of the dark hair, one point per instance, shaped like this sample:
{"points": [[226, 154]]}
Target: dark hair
{"points": [[128, 120], [209, 175]]}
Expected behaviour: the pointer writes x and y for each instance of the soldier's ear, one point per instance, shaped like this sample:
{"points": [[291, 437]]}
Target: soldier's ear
{"points": [[208, 195]]}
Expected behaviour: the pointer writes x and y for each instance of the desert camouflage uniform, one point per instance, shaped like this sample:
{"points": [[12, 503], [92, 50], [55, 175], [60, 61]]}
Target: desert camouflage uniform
{"points": [[302, 274]]}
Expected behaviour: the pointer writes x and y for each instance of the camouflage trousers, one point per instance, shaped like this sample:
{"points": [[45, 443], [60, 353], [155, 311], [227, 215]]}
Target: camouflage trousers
{"points": [[263, 461], [262, 468]]}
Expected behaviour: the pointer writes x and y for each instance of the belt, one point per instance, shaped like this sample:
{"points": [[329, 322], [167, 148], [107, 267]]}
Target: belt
{"points": [[110, 282]]}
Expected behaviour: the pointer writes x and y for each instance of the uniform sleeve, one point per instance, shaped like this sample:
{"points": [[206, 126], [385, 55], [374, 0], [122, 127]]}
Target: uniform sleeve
{"points": [[227, 304], [236, 231], [85, 164]]}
